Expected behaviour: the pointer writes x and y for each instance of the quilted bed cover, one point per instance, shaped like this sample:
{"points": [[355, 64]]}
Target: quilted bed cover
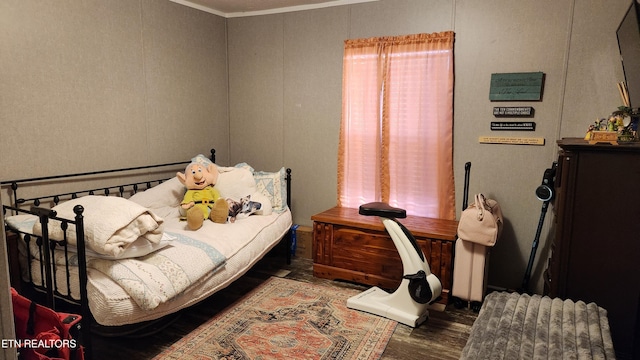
{"points": [[117, 296]]}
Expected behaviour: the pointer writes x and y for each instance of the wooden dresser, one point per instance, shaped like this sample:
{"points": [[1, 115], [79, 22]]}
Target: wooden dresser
{"points": [[356, 248], [595, 256]]}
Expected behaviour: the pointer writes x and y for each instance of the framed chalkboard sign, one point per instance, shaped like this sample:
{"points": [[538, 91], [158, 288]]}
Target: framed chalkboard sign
{"points": [[516, 86]]}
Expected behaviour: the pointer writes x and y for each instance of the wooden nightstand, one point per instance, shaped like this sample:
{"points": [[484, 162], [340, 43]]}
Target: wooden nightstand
{"points": [[352, 247]]}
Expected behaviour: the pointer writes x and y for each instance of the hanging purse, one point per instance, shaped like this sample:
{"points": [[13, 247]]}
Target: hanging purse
{"points": [[481, 222]]}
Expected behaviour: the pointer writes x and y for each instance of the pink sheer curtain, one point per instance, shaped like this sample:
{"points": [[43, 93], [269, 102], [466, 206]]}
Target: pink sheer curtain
{"points": [[396, 135]]}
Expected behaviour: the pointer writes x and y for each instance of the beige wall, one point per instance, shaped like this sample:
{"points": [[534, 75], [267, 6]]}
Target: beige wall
{"points": [[285, 75], [100, 84]]}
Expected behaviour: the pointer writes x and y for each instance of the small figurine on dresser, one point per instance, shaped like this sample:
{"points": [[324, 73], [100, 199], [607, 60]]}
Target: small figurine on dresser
{"points": [[620, 126]]}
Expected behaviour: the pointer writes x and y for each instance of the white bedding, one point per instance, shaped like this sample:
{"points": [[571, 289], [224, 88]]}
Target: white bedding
{"points": [[243, 243], [111, 305], [191, 268]]}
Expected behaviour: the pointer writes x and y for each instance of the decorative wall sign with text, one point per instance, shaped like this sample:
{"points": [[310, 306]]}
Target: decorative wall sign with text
{"points": [[513, 111], [513, 125], [516, 86], [510, 140]]}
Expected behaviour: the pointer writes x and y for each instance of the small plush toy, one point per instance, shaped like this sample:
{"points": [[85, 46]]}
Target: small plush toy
{"points": [[243, 208], [202, 201]]}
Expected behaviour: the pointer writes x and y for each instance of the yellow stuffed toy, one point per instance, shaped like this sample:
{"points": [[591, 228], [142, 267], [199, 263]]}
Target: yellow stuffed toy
{"points": [[202, 201]]}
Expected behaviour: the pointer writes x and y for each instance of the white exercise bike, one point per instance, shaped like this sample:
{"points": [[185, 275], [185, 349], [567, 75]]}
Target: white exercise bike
{"points": [[419, 287]]}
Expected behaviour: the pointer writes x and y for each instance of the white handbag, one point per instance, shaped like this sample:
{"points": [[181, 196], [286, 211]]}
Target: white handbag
{"points": [[481, 222]]}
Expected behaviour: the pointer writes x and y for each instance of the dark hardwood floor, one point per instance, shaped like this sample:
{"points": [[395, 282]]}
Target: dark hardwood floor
{"points": [[442, 337]]}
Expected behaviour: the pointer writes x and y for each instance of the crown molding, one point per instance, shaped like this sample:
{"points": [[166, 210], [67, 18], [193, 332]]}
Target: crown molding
{"points": [[270, 11]]}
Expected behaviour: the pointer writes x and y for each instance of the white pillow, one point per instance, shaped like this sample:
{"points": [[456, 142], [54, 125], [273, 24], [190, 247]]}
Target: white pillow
{"points": [[274, 186], [21, 223], [168, 194], [236, 183]]}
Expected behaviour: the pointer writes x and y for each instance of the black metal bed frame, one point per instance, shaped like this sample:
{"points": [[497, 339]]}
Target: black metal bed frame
{"points": [[48, 268]]}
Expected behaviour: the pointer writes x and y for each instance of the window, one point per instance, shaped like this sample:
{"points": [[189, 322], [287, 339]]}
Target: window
{"points": [[396, 134]]}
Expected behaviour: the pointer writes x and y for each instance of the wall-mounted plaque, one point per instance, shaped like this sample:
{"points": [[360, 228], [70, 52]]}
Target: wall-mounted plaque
{"points": [[510, 140], [513, 111], [516, 86], [513, 125]]}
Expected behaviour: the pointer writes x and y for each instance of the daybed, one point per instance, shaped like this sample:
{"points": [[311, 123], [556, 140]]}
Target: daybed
{"points": [[168, 267]]}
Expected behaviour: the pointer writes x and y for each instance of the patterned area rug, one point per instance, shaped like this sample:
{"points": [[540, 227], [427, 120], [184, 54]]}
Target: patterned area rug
{"points": [[287, 319]]}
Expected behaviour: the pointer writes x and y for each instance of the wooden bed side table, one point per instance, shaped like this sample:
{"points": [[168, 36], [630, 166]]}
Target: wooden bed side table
{"points": [[352, 247]]}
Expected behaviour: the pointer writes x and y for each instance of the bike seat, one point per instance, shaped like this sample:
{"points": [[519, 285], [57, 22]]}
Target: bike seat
{"points": [[382, 210]]}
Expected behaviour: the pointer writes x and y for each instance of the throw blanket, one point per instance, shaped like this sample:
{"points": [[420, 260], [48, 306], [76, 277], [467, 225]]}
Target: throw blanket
{"points": [[514, 326], [110, 223], [160, 276]]}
